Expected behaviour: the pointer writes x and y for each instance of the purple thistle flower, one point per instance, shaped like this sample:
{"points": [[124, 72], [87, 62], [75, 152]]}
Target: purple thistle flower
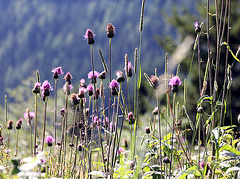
{"points": [[19, 123], [121, 150], [174, 83], [107, 122], [120, 77], [89, 36], [90, 90], [46, 86], [131, 118], [62, 111], [82, 90], [96, 121], [49, 140], [56, 72], [197, 27], [196, 24], [113, 84], [68, 77], [93, 77], [36, 88], [65, 90], [31, 115]]}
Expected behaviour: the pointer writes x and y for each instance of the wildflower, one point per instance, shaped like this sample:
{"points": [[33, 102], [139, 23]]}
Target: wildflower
{"points": [[174, 83], [74, 99], [93, 76], [82, 83], [56, 72], [125, 143], [147, 130], [36, 88], [89, 36], [96, 121], [197, 27], [62, 111], [29, 116], [129, 69], [107, 122], [102, 75], [1, 140], [82, 90], [46, 87], [67, 90], [155, 81], [90, 90], [49, 140], [155, 111], [120, 77], [71, 145], [68, 77], [113, 86], [131, 118], [10, 124], [80, 147], [121, 150], [19, 123], [166, 160], [110, 30]]}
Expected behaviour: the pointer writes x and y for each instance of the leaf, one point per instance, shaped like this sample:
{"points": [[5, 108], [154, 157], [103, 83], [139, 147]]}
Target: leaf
{"points": [[140, 77], [96, 150], [232, 169], [103, 61], [229, 149], [148, 79], [228, 47]]}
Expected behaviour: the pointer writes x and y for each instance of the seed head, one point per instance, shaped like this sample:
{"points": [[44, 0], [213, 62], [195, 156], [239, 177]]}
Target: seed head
{"points": [[89, 36], [10, 124]]}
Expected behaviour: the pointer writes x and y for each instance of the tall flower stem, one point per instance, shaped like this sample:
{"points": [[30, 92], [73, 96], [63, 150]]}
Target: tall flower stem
{"points": [[124, 110], [35, 126], [17, 143], [160, 135], [94, 88], [31, 143], [110, 77], [115, 134], [73, 132], [44, 121], [66, 126], [55, 112]]}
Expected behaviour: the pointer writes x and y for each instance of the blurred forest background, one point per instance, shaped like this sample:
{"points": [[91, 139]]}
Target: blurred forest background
{"points": [[41, 35]]}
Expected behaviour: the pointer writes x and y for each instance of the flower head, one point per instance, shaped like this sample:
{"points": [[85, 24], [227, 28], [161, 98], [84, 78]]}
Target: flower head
{"points": [[82, 83], [10, 124], [46, 87], [96, 121], [155, 81], [131, 118], [67, 90], [93, 76], [197, 27], [113, 84], [68, 77], [49, 140], [62, 111], [121, 150], [174, 83], [90, 90], [19, 123], [82, 90], [56, 72], [102, 75], [89, 36], [74, 99], [120, 77], [107, 122], [36, 88], [110, 30], [29, 116]]}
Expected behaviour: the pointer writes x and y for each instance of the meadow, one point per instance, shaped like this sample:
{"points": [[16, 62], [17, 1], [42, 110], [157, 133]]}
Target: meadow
{"points": [[97, 130]]}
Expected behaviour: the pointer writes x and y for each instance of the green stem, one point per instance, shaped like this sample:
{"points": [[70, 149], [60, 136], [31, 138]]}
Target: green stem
{"points": [[44, 121], [35, 126]]}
